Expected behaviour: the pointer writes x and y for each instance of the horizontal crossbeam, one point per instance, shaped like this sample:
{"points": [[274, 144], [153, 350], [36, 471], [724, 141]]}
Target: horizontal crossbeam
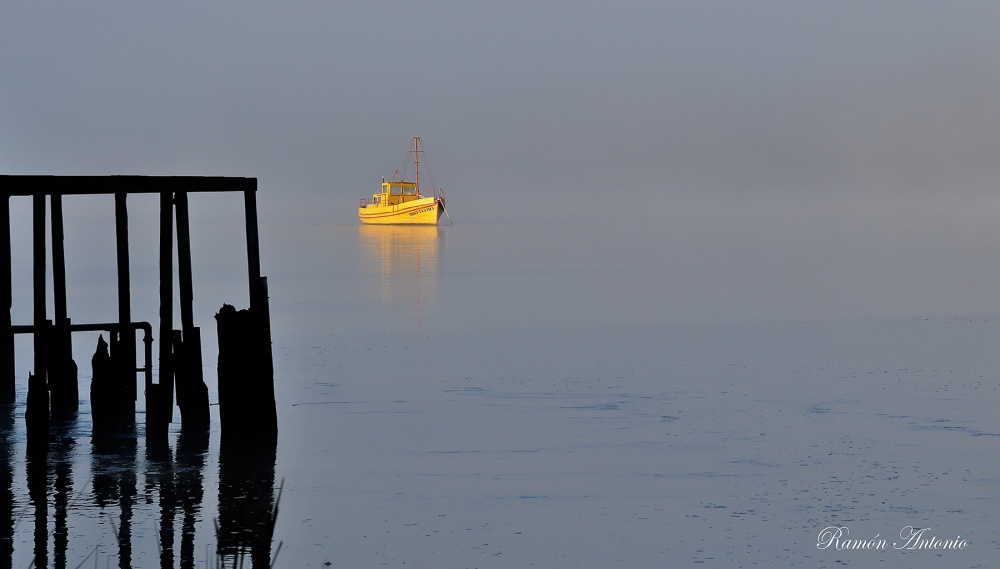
{"points": [[14, 185]]}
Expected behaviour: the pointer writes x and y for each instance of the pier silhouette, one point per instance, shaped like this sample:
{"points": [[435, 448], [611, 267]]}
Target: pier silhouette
{"points": [[53, 384], [173, 478]]}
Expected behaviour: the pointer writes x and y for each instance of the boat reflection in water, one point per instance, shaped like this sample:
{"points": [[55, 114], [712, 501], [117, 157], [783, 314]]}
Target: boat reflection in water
{"points": [[125, 500], [406, 259]]}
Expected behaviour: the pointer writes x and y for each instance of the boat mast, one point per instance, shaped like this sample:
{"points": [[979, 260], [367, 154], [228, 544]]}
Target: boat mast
{"points": [[416, 160]]}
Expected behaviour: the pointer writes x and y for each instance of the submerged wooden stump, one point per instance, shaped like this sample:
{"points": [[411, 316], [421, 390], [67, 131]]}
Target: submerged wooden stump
{"points": [[192, 393], [36, 411], [246, 378], [102, 388], [63, 376], [108, 399]]}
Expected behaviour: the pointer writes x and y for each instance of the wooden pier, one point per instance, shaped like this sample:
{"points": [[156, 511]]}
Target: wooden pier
{"points": [[53, 385]]}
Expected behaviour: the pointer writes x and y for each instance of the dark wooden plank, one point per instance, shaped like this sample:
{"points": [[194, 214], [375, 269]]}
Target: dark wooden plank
{"points": [[15, 185]]}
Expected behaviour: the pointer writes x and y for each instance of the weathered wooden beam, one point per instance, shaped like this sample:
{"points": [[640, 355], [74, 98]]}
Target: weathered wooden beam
{"points": [[258, 284], [253, 244], [58, 260], [184, 274], [38, 246], [15, 185], [159, 411], [62, 370], [246, 372], [246, 366], [246, 401], [37, 409], [7, 391], [192, 393], [126, 335]]}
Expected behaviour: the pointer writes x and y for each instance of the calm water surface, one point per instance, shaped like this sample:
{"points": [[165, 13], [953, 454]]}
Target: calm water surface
{"points": [[547, 395]]}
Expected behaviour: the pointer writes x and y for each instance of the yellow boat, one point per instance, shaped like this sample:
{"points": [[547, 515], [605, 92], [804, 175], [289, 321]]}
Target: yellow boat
{"points": [[400, 202]]}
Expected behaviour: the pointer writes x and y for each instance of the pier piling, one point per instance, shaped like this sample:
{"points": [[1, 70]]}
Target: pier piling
{"points": [[246, 383], [192, 393], [126, 356], [7, 389], [37, 409], [63, 373]]}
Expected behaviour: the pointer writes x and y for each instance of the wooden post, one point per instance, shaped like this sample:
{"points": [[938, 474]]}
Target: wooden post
{"points": [[184, 275], [37, 409], [63, 381], [126, 334], [258, 285], [157, 411], [261, 311], [246, 367], [58, 260], [192, 393], [6, 303], [253, 243]]}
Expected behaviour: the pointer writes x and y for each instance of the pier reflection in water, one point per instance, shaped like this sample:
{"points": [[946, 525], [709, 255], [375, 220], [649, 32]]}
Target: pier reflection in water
{"points": [[122, 500], [6, 486], [406, 260]]}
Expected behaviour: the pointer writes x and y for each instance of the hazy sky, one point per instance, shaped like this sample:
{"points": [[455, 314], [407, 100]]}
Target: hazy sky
{"points": [[761, 103]]}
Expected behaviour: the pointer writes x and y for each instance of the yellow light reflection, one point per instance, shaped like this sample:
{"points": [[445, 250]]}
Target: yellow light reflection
{"points": [[407, 257]]}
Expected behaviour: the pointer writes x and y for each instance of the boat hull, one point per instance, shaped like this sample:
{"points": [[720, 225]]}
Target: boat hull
{"points": [[423, 211]]}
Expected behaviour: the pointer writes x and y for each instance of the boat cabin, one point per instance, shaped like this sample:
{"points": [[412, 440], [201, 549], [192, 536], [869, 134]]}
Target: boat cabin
{"points": [[395, 193]]}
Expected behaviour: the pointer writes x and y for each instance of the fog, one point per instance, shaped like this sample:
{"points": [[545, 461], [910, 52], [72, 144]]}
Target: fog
{"points": [[855, 127], [721, 274]]}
